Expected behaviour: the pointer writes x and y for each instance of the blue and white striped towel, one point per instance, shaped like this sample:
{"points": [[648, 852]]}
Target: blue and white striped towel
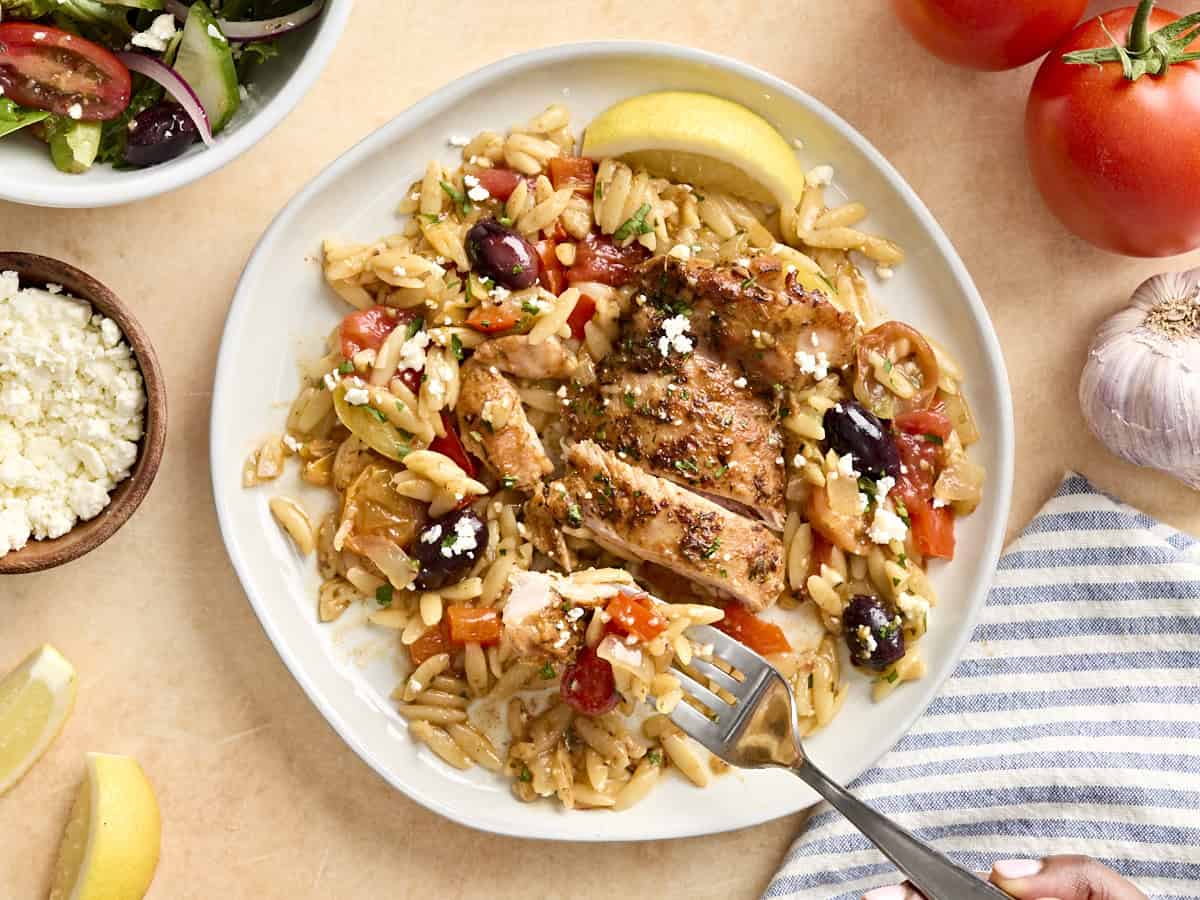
{"points": [[1072, 724]]}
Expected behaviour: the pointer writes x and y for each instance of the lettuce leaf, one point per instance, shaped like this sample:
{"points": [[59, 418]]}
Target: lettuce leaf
{"points": [[14, 118]]}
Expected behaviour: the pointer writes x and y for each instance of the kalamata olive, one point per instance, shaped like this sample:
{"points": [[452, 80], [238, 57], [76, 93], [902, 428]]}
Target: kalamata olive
{"points": [[159, 133], [447, 548], [502, 255], [850, 428], [873, 632]]}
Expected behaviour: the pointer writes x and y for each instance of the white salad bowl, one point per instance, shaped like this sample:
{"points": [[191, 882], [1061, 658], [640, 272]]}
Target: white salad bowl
{"points": [[27, 174], [283, 311]]}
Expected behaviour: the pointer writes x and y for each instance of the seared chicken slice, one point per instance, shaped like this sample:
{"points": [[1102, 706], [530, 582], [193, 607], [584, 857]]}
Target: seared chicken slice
{"points": [[779, 337], [494, 427], [641, 516], [517, 356], [544, 532], [546, 614], [688, 418]]}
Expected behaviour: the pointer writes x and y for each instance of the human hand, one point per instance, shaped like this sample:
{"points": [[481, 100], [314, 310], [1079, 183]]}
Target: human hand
{"points": [[1052, 878]]}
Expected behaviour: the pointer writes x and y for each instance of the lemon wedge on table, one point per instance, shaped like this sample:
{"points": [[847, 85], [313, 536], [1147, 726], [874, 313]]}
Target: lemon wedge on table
{"points": [[701, 140], [35, 701], [110, 847]]}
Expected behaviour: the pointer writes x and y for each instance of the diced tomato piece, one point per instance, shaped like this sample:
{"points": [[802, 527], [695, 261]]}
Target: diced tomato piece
{"points": [[500, 183], [585, 308], [588, 684], [932, 529], [473, 624], [599, 259], [492, 318], [367, 329], [551, 276], [435, 640], [919, 459], [636, 615], [933, 424], [452, 446], [758, 634], [578, 172]]}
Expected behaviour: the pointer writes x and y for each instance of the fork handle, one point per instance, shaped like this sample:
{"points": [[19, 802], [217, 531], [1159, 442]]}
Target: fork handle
{"points": [[936, 876]]}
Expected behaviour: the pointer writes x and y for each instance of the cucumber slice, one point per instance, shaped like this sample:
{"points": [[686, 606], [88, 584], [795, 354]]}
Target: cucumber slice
{"points": [[73, 145], [152, 5], [205, 62]]}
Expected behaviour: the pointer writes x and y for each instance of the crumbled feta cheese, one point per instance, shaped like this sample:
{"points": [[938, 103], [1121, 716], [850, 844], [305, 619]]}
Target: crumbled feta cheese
{"points": [[884, 273], [431, 535], [814, 340], [887, 527], [75, 111], [291, 443], [797, 461], [816, 365], [331, 380], [779, 460], [939, 503], [157, 36], [914, 608], [863, 502], [358, 396], [845, 466], [869, 644], [475, 190], [412, 352], [457, 141], [680, 251], [464, 539], [499, 293], [71, 412], [674, 331], [820, 176], [39, 35], [740, 382], [399, 271], [883, 487]]}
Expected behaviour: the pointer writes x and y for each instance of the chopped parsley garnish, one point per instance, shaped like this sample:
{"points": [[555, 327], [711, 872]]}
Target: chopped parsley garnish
{"points": [[346, 367], [746, 283], [711, 550], [517, 269], [888, 365], [599, 192], [457, 196], [508, 481], [376, 413], [635, 224], [383, 595], [891, 676], [430, 217], [903, 559], [686, 465], [505, 221], [895, 582], [414, 326], [933, 439], [526, 776], [456, 347], [574, 515], [902, 512], [528, 306], [654, 757], [867, 486], [605, 483], [546, 672], [724, 573], [629, 399]]}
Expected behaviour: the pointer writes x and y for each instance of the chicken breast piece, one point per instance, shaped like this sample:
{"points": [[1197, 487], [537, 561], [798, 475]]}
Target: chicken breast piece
{"points": [[546, 614], [544, 532], [779, 337], [692, 419], [641, 516], [517, 356], [494, 427]]}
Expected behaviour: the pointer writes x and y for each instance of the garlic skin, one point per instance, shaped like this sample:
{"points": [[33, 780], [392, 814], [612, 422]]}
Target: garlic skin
{"points": [[1140, 389]]}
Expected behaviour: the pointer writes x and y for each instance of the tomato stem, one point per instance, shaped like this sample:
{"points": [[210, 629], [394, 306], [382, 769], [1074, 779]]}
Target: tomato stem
{"points": [[1139, 31]]}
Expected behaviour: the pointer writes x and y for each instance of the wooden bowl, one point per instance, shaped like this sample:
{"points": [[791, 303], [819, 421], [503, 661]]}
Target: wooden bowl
{"points": [[85, 536]]}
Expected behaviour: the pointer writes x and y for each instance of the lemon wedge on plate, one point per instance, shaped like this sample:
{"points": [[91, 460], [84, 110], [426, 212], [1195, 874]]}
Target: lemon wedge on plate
{"points": [[701, 140], [35, 701], [110, 847]]}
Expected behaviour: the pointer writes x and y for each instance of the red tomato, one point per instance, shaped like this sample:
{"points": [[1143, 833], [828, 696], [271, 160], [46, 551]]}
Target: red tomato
{"points": [[585, 308], [932, 529], [500, 183], [931, 422], [366, 329], [573, 171], [435, 640], [598, 259], [451, 445], [636, 615], [48, 68], [1115, 159], [473, 624], [758, 634], [492, 318], [588, 685], [551, 274], [989, 34], [919, 459]]}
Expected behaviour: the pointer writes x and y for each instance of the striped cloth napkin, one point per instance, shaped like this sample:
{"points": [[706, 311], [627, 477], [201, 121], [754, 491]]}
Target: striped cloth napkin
{"points": [[1072, 724]]}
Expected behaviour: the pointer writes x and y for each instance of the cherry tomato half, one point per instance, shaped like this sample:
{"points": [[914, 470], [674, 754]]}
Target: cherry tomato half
{"points": [[989, 34], [51, 69], [588, 684]]}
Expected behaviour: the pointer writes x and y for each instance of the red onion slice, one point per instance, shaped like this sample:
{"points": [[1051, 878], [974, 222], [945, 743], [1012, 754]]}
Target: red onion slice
{"points": [[258, 30], [174, 85]]}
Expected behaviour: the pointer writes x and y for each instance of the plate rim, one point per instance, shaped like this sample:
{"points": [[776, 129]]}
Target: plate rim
{"points": [[405, 123]]}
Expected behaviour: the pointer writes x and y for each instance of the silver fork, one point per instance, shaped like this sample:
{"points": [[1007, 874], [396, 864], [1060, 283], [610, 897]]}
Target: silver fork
{"points": [[757, 731]]}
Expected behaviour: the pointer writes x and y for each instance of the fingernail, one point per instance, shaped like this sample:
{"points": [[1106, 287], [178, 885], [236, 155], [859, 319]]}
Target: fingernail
{"points": [[891, 892], [1010, 869]]}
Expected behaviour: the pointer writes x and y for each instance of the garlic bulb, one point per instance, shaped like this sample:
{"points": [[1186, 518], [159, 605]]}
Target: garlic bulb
{"points": [[1140, 390]]}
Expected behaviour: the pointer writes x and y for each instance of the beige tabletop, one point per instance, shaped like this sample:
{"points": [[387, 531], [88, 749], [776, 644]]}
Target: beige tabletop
{"points": [[259, 797]]}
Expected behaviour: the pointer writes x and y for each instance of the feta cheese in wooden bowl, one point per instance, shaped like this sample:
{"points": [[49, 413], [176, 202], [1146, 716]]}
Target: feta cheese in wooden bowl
{"points": [[83, 413]]}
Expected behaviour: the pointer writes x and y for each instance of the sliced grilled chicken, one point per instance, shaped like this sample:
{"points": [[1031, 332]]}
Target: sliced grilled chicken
{"points": [[779, 337], [546, 613], [517, 356], [641, 516], [688, 418], [494, 427], [545, 534]]}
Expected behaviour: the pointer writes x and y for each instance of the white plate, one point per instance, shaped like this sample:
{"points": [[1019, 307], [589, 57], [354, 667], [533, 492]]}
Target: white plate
{"points": [[28, 176], [282, 311]]}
